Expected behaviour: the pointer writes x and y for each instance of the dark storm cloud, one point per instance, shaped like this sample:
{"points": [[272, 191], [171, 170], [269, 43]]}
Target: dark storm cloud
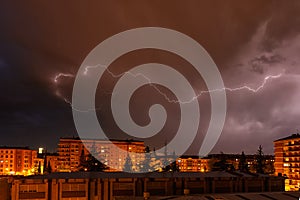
{"points": [[259, 63], [260, 118], [39, 39], [2, 64], [272, 113], [29, 110], [283, 23], [49, 31]]}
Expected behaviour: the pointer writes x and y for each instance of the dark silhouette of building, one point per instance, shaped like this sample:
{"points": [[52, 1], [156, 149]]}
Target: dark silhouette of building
{"points": [[115, 185]]}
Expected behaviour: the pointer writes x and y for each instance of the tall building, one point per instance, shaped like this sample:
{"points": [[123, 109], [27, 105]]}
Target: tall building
{"points": [[112, 153], [287, 160], [18, 161]]}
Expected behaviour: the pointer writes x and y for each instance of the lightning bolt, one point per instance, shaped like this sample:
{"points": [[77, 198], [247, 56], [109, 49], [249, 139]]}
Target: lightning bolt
{"points": [[87, 68], [57, 93], [258, 88], [244, 87], [60, 75]]}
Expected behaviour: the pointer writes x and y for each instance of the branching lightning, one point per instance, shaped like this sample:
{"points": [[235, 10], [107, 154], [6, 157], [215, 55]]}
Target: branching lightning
{"points": [[244, 87], [258, 88]]}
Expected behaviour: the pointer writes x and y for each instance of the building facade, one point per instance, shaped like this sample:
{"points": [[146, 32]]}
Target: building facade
{"points": [[109, 186], [287, 160], [193, 164], [51, 162], [18, 161], [111, 153]]}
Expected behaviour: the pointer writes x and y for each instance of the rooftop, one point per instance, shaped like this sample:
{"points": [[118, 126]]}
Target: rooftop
{"points": [[98, 139], [189, 156], [293, 136], [10, 147], [232, 196]]}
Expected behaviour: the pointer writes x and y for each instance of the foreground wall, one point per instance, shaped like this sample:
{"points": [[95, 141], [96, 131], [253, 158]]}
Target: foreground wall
{"points": [[110, 186], [4, 189]]}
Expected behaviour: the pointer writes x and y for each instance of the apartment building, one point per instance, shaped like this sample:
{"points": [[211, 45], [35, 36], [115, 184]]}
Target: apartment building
{"points": [[287, 160], [111, 153], [193, 164], [51, 161], [18, 161]]}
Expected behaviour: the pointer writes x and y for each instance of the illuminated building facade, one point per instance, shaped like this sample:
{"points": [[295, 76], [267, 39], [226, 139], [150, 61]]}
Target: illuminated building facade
{"points": [[18, 161], [193, 164], [52, 162], [287, 160], [112, 153]]}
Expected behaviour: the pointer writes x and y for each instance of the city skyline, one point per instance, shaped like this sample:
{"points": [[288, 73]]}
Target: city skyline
{"points": [[255, 48]]}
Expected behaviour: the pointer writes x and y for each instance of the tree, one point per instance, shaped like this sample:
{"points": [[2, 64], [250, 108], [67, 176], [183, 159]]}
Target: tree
{"points": [[166, 161], [221, 165], [45, 164], [128, 164], [146, 164], [94, 165], [172, 164], [151, 161], [39, 168], [49, 168], [260, 161], [173, 167], [90, 162], [243, 166], [82, 161]]}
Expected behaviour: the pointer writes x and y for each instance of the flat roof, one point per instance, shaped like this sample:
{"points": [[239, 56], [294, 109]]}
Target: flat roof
{"points": [[293, 136], [239, 196], [98, 139], [10, 147]]}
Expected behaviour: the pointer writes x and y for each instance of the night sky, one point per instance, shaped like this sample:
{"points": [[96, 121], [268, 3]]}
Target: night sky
{"points": [[248, 40]]}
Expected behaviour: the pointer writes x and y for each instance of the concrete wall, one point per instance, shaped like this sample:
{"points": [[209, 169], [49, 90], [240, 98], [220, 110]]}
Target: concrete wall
{"points": [[109, 188], [4, 189]]}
